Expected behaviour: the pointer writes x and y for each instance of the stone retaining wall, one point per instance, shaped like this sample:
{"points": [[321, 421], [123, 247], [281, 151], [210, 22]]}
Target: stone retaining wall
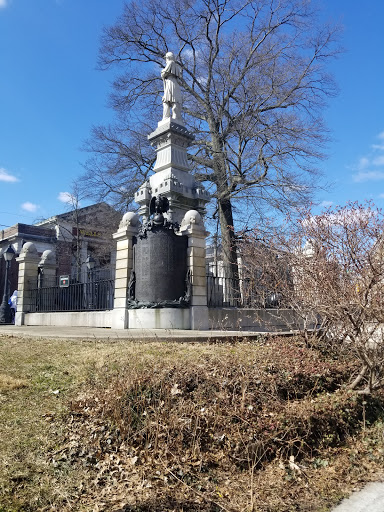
{"points": [[219, 319]]}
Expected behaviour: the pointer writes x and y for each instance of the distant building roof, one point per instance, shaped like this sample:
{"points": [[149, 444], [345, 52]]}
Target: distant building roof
{"points": [[26, 231], [80, 212]]}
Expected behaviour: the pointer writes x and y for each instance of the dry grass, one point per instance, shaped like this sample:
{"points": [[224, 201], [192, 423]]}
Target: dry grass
{"points": [[32, 417], [124, 426], [7, 382]]}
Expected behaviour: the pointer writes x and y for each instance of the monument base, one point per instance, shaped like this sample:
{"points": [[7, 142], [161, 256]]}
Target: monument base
{"points": [[162, 318], [199, 318]]}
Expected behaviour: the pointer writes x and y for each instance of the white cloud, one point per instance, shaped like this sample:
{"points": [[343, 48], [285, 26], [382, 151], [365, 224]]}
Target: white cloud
{"points": [[189, 55], [5, 176], [375, 158], [378, 147], [3, 3], [378, 161], [67, 198], [368, 176], [363, 163], [326, 204], [64, 197], [29, 207]]}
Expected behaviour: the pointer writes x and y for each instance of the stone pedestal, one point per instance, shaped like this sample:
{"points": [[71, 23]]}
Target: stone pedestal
{"points": [[128, 229], [172, 178], [159, 318], [193, 227], [47, 269], [28, 272], [194, 315]]}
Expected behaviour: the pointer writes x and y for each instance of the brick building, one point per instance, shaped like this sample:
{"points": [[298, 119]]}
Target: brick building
{"points": [[72, 236]]}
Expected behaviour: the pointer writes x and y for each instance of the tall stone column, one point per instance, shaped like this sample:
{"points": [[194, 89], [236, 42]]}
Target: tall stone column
{"points": [[128, 229], [28, 270], [193, 227]]}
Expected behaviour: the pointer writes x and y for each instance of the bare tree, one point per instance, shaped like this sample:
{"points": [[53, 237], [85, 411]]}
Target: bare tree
{"points": [[121, 161], [90, 226], [336, 269], [254, 81]]}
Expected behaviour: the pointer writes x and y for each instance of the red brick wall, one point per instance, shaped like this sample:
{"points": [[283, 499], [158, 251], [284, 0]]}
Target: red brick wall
{"points": [[64, 257]]}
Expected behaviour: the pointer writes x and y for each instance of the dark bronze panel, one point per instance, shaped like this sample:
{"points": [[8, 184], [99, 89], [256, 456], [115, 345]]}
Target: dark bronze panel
{"points": [[160, 266]]}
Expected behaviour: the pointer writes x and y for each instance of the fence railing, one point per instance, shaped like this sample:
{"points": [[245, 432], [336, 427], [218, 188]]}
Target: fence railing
{"points": [[240, 293], [96, 294]]}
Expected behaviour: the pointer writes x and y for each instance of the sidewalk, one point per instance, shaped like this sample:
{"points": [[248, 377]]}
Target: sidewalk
{"points": [[369, 499], [130, 334]]}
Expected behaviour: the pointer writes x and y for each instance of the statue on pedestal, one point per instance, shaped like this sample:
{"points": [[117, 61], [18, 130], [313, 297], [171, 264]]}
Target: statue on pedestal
{"points": [[172, 93]]}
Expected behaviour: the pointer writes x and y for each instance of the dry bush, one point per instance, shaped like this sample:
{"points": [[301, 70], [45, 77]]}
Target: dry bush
{"points": [[188, 427], [330, 271]]}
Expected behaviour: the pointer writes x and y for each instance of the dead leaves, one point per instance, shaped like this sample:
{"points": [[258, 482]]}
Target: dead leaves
{"points": [[194, 436]]}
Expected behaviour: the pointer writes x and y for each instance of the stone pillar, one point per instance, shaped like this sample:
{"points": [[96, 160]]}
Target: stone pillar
{"points": [[47, 266], [47, 279], [28, 270], [128, 229], [193, 227]]}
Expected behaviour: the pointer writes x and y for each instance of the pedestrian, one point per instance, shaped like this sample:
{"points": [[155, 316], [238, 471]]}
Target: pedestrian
{"points": [[13, 304]]}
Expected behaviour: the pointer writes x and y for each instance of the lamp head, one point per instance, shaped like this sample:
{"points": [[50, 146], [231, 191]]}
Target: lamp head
{"points": [[9, 253]]}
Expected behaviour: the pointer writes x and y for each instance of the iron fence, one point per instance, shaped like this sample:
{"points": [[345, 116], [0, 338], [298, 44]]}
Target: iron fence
{"points": [[95, 293], [241, 293]]}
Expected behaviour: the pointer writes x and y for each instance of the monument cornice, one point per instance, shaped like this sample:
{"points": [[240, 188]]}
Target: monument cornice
{"points": [[169, 127]]}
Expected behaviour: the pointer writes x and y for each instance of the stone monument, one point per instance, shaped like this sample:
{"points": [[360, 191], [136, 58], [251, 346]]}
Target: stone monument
{"points": [[160, 266], [172, 93], [171, 139]]}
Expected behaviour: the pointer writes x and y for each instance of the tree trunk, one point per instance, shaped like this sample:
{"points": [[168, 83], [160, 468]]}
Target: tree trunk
{"points": [[228, 239], [229, 249]]}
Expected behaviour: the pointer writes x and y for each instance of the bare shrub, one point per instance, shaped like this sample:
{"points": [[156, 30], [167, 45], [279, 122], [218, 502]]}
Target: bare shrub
{"points": [[330, 271], [218, 415]]}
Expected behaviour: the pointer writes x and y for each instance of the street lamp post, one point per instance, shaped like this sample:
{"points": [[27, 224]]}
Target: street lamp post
{"points": [[90, 262], [5, 309]]}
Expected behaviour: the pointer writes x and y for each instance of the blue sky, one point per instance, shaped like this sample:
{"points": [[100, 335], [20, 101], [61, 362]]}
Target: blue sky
{"points": [[51, 94]]}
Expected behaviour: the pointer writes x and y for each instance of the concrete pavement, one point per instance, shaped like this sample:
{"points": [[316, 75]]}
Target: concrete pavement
{"points": [[369, 499], [129, 334]]}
